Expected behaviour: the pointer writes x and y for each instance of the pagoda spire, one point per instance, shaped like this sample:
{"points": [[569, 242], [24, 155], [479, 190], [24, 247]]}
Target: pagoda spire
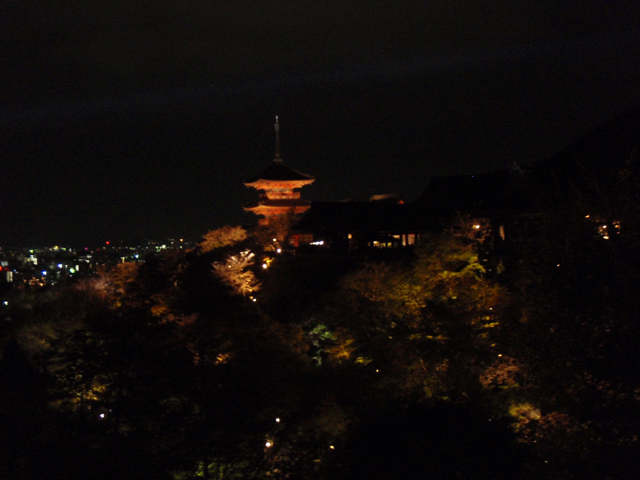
{"points": [[277, 127], [279, 186]]}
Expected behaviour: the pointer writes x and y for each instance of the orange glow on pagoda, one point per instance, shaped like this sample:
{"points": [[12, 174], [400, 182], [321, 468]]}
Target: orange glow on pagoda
{"points": [[279, 186]]}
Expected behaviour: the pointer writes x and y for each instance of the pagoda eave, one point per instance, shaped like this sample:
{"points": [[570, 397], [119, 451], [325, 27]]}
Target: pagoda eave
{"points": [[270, 210], [271, 184]]}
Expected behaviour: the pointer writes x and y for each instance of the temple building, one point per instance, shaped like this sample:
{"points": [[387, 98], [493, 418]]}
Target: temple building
{"points": [[279, 187]]}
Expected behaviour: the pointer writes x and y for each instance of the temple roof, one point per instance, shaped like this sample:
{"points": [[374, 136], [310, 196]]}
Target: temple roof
{"points": [[279, 171], [287, 203], [487, 195], [371, 217]]}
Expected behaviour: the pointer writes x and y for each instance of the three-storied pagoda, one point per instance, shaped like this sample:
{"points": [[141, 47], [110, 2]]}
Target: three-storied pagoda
{"points": [[279, 186]]}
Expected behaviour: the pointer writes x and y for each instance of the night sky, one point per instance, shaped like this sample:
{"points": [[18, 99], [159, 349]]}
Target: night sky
{"points": [[132, 119]]}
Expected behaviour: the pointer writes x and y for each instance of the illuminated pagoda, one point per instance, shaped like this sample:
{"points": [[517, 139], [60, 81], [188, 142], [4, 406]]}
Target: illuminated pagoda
{"points": [[279, 186]]}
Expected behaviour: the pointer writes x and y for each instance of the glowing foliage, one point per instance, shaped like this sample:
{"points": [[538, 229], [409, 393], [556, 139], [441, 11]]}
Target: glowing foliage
{"points": [[236, 273], [222, 237], [428, 323], [504, 373]]}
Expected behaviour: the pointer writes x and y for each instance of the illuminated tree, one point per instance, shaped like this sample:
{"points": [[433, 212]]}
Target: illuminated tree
{"points": [[425, 326], [222, 237], [236, 272]]}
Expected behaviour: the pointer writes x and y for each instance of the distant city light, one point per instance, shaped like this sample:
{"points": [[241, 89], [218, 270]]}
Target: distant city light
{"points": [[44, 272], [59, 265], [277, 419], [268, 444], [264, 265]]}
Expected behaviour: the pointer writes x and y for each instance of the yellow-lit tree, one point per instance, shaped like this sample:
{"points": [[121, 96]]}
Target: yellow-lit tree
{"points": [[222, 237], [236, 273], [428, 325]]}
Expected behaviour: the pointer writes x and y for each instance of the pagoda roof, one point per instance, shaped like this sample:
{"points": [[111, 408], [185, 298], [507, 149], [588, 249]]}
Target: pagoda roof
{"points": [[278, 171], [287, 203]]}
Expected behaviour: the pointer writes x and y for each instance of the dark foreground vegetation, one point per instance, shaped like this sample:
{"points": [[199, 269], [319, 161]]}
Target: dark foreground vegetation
{"points": [[204, 364]]}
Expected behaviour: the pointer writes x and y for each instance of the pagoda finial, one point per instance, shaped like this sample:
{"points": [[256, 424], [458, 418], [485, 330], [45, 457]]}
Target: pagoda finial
{"points": [[277, 126]]}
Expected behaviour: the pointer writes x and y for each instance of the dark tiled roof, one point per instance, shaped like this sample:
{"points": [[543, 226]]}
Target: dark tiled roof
{"points": [[278, 170], [371, 217], [481, 195]]}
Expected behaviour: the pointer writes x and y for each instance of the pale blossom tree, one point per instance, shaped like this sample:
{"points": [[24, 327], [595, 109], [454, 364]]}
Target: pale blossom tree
{"points": [[236, 273]]}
